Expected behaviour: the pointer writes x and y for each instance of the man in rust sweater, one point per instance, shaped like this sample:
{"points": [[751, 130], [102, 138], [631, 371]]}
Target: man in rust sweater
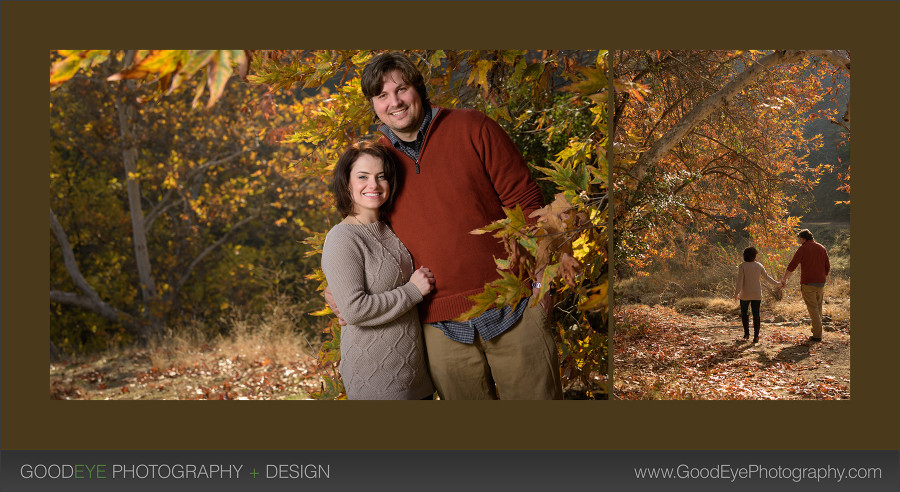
{"points": [[459, 169], [814, 267]]}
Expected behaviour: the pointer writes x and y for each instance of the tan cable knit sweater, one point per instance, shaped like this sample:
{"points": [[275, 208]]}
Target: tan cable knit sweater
{"points": [[747, 286], [382, 350]]}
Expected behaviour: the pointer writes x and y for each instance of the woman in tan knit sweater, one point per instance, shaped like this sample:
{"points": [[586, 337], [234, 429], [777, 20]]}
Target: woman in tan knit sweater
{"points": [[375, 283], [749, 290]]}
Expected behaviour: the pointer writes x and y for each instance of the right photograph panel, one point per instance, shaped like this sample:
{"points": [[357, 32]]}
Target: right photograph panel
{"points": [[732, 200]]}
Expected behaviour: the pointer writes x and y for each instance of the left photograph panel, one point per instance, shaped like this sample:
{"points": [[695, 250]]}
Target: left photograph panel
{"points": [[330, 224]]}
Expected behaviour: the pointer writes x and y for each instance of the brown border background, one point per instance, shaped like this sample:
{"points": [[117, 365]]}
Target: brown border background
{"points": [[31, 421]]}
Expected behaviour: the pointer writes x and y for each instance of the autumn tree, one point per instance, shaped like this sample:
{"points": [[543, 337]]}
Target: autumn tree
{"points": [[210, 194], [713, 139]]}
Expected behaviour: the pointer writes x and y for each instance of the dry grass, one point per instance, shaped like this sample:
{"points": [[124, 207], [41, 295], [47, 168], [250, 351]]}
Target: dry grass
{"points": [[271, 336], [837, 300], [263, 356], [790, 306], [705, 282], [722, 306]]}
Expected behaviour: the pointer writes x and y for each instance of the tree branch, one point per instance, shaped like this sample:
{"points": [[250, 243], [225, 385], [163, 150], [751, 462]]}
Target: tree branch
{"points": [[162, 206], [832, 57], [708, 106], [91, 300], [206, 165], [210, 249], [158, 209], [69, 258], [93, 305]]}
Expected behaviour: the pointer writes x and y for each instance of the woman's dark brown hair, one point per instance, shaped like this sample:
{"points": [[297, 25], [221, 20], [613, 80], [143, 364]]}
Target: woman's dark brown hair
{"points": [[371, 80], [340, 184], [750, 254]]}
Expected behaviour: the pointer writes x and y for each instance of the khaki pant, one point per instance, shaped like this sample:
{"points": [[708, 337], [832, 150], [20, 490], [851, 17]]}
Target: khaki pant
{"points": [[814, 297], [520, 364]]}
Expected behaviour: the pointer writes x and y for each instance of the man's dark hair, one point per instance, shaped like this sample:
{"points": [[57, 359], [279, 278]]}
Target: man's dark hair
{"points": [[373, 74], [805, 234], [750, 254], [340, 184]]}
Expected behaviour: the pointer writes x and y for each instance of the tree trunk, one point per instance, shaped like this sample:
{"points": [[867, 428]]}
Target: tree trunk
{"points": [[55, 354], [125, 109]]}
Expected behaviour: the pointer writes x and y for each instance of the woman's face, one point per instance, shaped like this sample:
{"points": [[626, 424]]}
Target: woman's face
{"points": [[368, 187]]}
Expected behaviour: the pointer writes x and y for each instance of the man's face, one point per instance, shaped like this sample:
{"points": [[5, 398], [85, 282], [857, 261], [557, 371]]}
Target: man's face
{"points": [[399, 106]]}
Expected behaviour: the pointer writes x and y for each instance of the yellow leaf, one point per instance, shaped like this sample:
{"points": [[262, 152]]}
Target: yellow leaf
{"points": [[599, 298], [580, 247], [322, 312]]}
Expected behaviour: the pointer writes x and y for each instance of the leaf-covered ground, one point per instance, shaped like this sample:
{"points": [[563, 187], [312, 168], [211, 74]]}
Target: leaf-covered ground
{"points": [[663, 354], [212, 375]]}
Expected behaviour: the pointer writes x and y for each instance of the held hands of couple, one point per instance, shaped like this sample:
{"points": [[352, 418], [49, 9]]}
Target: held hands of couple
{"points": [[423, 279]]}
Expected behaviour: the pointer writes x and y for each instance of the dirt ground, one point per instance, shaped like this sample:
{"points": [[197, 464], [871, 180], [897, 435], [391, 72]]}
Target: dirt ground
{"points": [[670, 355], [131, 375]]}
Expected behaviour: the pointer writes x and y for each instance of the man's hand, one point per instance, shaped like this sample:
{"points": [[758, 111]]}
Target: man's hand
{"points": [[785, 277], [333, 305]]}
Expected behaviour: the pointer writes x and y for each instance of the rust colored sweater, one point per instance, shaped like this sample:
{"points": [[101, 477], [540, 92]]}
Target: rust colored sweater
{"points": [[469, 169], [813, 261]]}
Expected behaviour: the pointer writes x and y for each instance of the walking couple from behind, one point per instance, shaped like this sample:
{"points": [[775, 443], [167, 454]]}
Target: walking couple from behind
{"points": [[411, 199], [811, 257]]}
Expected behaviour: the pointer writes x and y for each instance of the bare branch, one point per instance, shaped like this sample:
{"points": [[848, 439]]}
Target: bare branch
{"points": [[90, 300], [161, 207], [93, 305], [166, 202], [209, 249], [208, 164], [841, 124], [832, 57], [69, 258]]}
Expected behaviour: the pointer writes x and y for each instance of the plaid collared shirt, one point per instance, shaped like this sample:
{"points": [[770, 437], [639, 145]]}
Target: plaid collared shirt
{"points": [[412, 148], [489, 324]]}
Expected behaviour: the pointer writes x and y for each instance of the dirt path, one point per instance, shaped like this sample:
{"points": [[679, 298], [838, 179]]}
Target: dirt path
{"points": [[662, 354]]}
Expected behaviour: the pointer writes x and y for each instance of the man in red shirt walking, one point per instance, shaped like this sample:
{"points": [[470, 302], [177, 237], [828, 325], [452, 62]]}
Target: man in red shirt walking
{"points": [[814, 267]]}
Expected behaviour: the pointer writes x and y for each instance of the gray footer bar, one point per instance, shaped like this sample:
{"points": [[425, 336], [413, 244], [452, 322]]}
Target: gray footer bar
{"points": [[434, 471]]}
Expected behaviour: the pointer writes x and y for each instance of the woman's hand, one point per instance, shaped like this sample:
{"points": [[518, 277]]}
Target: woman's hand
{"points": [[423, 279], [333, 305]]}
